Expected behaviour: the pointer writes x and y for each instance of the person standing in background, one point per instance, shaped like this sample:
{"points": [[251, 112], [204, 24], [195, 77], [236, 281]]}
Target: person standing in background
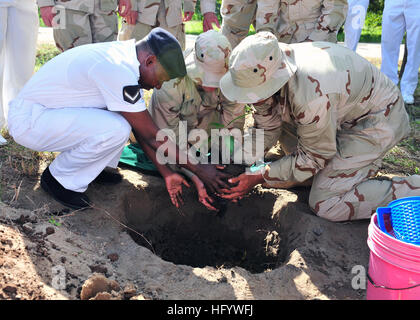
{"points": [[310, 20], [354, 22], [144, 15], [400, 16], [18, 36], [238, 15], [78, 22]]}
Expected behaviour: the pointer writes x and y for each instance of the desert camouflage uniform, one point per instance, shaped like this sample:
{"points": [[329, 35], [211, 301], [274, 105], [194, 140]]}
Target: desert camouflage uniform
{"points": [[344, 127], [182, 100], [238, 15], [83, 21], [344, 115], [186, 100], [313, 20], [166, 14]]}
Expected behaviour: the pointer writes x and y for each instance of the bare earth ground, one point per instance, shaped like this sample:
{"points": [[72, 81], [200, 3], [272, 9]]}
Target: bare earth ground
{"points": [[133, 244]]}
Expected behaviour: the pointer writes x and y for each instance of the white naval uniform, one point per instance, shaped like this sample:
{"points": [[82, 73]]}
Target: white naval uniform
{"points": [[71, 105], [355, 20], [18, 35], [401, 16]]}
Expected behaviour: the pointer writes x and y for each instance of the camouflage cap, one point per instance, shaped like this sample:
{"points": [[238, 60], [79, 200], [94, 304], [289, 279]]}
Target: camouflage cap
{"points": [[208, 62], [258, 67]]}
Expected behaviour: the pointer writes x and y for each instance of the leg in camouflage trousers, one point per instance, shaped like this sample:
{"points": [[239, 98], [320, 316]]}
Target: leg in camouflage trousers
{"points": [[80, 27], [140, 30]]}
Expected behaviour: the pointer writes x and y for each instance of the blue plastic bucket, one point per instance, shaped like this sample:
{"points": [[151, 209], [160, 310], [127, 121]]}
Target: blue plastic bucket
{"points": [[401, 219]]}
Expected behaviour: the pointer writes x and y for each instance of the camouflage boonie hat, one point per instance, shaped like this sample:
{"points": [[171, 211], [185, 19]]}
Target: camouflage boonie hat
{"points": [[258, 67], [209, 60]]}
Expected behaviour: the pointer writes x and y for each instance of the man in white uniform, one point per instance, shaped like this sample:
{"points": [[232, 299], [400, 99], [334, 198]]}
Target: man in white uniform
{"points": [[18, 34], [354, 22], [401, 16], [84, 103]]}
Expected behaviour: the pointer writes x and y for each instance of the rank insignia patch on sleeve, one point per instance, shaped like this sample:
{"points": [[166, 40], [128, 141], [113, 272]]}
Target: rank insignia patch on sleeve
{"points": [[131, 94]]}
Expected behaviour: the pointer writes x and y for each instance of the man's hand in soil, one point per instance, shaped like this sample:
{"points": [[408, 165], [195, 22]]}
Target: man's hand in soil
{"points": [[244, 184], [210, 18], [212, 176], [47, 15], [203, 197], [174, 184]]}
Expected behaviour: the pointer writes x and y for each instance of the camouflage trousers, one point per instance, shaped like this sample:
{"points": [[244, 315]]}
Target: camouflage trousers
{"points": [[237, 16], [76, 28], [140, 30], [346, 189]]}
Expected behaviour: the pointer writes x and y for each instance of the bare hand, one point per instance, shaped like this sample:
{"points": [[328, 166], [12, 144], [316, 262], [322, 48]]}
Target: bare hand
{"points": [[203, 197], [209, 19], [47, 15], [244, 184], [174, 184], [124, 7], [187, 16], [212, 176], [131, 17]]}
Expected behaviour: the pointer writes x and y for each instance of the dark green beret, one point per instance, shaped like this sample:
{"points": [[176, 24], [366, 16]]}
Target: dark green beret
{"points": [[168, 51]]}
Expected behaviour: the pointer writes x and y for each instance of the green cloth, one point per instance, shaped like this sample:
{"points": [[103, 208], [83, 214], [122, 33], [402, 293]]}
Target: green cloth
{"points": [[134, 156]]}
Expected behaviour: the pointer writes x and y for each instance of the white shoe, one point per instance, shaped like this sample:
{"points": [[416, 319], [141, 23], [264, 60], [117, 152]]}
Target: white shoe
{"points": [[3, 141], [408, 98]]}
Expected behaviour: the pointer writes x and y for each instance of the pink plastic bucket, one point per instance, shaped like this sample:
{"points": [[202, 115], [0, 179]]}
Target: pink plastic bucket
{"points": [[394, 267]]}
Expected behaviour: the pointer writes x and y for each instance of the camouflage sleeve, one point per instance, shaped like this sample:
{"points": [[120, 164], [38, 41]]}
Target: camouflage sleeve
{"points": [[333, 15], [316, 131], [166, 103], [267, 15], [168, 106], [267, 118], [45, 3], [189, 5], [233, 114], [208, 6], [134, 6]]}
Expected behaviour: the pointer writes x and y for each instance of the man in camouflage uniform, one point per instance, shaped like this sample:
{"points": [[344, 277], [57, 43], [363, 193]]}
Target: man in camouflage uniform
{"points": [[196, 98], [310, 20], [167, 14], [78, 22], [238, 15], [346, 115]]}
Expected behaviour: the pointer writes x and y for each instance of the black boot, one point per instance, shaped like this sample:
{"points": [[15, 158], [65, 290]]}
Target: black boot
{"points": [[71, 199], [108, 177]]}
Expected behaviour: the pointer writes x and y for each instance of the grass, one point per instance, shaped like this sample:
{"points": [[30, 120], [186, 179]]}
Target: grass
{"points": [[45, 52]]}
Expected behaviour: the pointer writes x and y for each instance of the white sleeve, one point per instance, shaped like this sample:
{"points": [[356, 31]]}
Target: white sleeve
{"points": [[110, 80]]}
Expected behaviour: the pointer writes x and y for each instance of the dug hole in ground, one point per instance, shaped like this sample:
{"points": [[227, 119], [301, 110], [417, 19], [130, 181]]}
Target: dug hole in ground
{"points": [[134, 244]]}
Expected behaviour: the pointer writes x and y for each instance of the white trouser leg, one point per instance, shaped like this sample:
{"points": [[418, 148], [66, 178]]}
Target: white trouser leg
{"points": [[410, 77], [20, 48], [89, 139], [354, 22], [3, 32], [393, 27]]}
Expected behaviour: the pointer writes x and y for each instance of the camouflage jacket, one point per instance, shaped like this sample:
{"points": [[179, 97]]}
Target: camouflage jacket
{"points": [[267, 15], [88, 6], [148, 9], [341, 105], [314, 20], [181, 100]]}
